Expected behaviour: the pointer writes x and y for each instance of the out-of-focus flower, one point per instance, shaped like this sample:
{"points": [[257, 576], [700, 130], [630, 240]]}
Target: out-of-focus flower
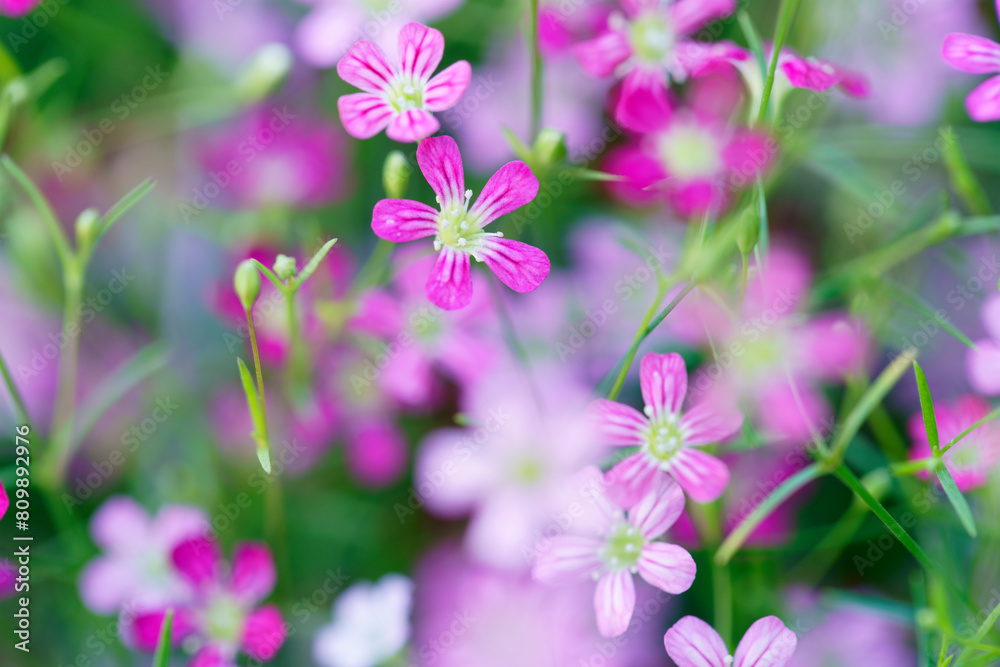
{"points": [[399, 99], [458, 229], [692, 159], [649, 44], [510, 468], [277, 157], [17, 7], [668, 439], [618, 546], [223, 615], [8, 578], [371, 623], [972, 459], [982, 362], [328, 31], [4, 500], [421, 339], [134, 571], [692, 642], [976, 55], [469, 615]]}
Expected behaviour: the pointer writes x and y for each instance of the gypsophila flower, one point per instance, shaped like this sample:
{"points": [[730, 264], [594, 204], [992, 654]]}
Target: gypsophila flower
{"points": [[976, 55], [692, 642]]}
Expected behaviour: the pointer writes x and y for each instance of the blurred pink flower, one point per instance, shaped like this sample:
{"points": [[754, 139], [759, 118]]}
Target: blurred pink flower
{"points": [[511, 467], [276, 157], [399, 99], [668, 439], [457, 228], [4, 500], [977, 55], [223, 614], [134, 571], [620, 545], [692, 642], [972, 459], [17, 7], [982, 362], [332, 26], [8, 578]]}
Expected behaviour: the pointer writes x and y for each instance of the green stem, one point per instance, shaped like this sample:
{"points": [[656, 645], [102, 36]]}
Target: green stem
{"points": [[981, 632], [722, 592], [785, 15], [536, 75], [954, 441], [20, 410], [375, 266]]}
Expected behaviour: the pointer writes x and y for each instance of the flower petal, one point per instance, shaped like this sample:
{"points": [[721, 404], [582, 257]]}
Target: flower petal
{"points": [[450, 283], [441, 164], [121, 524], [702, 476], [618, 424], [643, 105], [445, 89], [106, 583], [982, 365], [366, 67], [420, 51], [686, 16], [601, 56], [709, 422], [768, 643], [692, 642], [144, 628], [254, 575], [663, 380], [401, 220], [971, 53], [567, 559], [809, 73], [209, 656], [412, 125], [519, 266], [4, 500], [197, 560], [509, 189], [614, 602], [364, 115], [630, 479], [983, 103], [658, 509], [264, 632], [667, 567]]}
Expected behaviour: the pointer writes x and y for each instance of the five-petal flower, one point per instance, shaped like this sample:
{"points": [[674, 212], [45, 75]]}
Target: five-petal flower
{"points": [[692, 642]]}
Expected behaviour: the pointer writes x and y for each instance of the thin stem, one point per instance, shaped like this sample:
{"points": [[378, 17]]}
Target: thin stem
{"points": [[15, 395], [954, 441], [785, 15], [722, 592], [536, 74], [374, 267]]}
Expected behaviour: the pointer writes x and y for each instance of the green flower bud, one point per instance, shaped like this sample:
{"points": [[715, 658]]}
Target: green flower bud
{"points": [[246, 282], [86, 226], [549, 149], [396, 175], [265, 72], [285, 267]]}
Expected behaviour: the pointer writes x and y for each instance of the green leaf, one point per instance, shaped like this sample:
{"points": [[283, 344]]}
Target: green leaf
{"points": [[270, 275], [956, 498], [253, 402], [20, 411], [584, 174], [162, 655], [123, 205], [763, 240], [917, 303], [520, 149], [313, 263], [43, 207], [927, 409], [753, 41], [988, 418], [785, 14]]}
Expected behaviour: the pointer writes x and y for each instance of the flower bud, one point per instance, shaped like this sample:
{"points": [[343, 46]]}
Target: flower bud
{"points": [[284, 267], [396, 175], [86, 226], [549, 149], [265, 72], [246, 282]]}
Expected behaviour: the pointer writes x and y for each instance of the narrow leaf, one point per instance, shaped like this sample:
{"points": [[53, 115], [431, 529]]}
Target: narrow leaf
{"points": [[270, 275], [253, 400], [522, 151], [162, 656], [927, 409], [42, 206], [753, 41], [954, 441], [123, 205], [919, 304], [956, 498], [313, 264]]}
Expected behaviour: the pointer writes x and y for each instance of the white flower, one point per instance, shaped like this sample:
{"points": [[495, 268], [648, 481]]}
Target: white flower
{"points": [[371, 623]]}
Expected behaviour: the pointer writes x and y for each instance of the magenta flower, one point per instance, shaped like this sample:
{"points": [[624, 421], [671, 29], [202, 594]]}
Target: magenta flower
{"points": [[650, 43], [4, 500], [622, 544], [976, 55], [982, 363], [223, 614], [400, 99], [668, 439], [973, 458], [458, 228], [692, 642]]}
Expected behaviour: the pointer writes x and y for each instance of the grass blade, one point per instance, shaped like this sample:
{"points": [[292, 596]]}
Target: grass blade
{"points": [[956, 498], [313, 264], [162, 655], [927, 409], [43, 207], [123, 205]]}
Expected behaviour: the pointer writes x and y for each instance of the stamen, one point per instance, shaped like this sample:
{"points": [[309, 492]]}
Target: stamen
{"points": [[648, 410], [499, 235], [468, 195], [408, 89], [462, 242]]}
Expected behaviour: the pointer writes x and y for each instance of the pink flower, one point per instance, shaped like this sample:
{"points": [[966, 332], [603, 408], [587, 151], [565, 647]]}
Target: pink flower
{"points": [[668, 439], [974, 457], [400, 98], [692, 642], [982, 363], [689, 158], [620, 545], [134, 570], [17, 7], [4, 500], [976, 55], [458, 229], [649, 44], [8, 578], [223, 615]]}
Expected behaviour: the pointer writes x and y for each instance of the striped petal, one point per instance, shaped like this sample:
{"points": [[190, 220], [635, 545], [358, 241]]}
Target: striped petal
{"points": [[971, 53], [401, 220], [692, 642], [411, 126], [364, 115], [450, 284], [618, 424], [702, 476], [519, 266], [614, 602], [568, 560], [420, 51], [768, 643], [509, 189], [366, 67], [983, 103], [657, 510], [441, 164], [663, 380], [667, 567], [445, 89]]}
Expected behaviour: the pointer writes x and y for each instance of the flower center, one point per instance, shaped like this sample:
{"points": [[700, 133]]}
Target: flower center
{"points": [[528, 470], [224, 620], [623, 548], [690, 151], [664, 438], [652, 37], [458, 229], [406, 95]]}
